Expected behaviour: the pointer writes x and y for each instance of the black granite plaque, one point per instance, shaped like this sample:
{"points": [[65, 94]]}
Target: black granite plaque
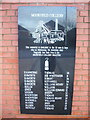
{"points": [[47, 42]]}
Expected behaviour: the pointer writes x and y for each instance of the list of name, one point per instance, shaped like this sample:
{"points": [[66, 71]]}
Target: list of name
{"points": [[29, 83], [50, 88]]}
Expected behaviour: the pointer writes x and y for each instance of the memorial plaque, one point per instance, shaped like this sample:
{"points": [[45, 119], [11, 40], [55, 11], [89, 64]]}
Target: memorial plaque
{"points": [[47, 43]]}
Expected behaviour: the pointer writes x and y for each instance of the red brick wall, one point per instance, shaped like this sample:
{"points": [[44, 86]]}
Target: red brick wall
{"points": [[9, 61], [0, 63]]}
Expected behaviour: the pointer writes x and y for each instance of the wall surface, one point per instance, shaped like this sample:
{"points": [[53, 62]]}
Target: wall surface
{"points": [[9, 86], [47, 1]]}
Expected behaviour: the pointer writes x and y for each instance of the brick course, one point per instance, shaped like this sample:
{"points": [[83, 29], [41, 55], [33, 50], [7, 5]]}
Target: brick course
{"points": [[9, 61]]}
